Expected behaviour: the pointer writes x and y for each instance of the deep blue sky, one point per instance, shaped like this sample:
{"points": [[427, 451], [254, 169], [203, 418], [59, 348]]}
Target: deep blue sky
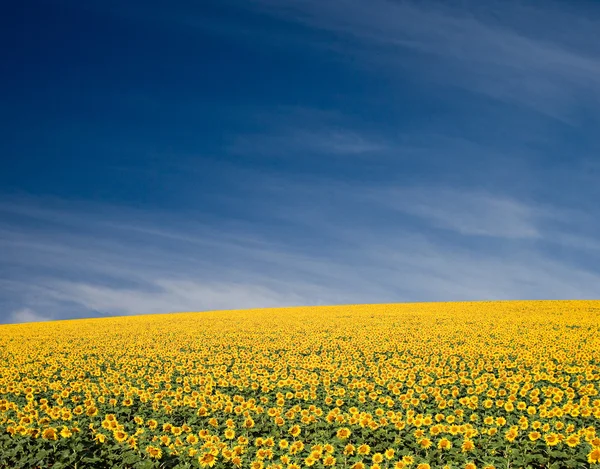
{"points": [[162, 156]]}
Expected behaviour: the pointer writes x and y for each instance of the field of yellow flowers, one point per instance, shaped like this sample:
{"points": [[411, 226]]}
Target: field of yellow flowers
{"points": [[431, 385]]}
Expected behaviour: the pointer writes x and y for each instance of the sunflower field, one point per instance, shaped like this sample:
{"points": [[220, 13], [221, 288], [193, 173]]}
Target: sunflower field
{"points": [[429, 385]]}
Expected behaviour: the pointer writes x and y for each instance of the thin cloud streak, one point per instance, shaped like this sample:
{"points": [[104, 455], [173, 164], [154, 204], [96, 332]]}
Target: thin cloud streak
{"points": [[26, 315], [475, 51], [292, 142], [137, 268], [300, 132], [476, 213]]}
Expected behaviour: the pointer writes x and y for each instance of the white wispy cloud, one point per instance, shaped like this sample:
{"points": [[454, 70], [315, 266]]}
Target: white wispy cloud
{"points": [[289, 142], [292, 131], [169, 295], [72, 260], [470, 213], [537, 55], [26, 315], [540, 55]]}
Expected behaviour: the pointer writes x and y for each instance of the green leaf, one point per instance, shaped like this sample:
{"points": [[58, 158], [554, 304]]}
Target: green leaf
{"points": [[147, 464], [130, 458]]}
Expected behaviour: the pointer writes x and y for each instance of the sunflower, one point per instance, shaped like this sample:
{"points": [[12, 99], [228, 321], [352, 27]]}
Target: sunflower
{"points": [[154, 452], [283, 444], [444, 443], [593, 440], [467, 446], [50, 434], [511, 434], [363, 449], [572, 440], [120, 436], [176, 431], [207, 460], [425, 443], [552, 439], [279, 421], [132, 442], [594, 456], [295, 431]]}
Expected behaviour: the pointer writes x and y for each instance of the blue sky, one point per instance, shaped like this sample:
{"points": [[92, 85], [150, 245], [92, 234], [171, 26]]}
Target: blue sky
{"points": [[169, 156]]}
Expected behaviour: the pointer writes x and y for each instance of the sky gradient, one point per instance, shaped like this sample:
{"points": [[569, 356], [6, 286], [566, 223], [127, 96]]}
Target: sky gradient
{"points": [[189, 156]]}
